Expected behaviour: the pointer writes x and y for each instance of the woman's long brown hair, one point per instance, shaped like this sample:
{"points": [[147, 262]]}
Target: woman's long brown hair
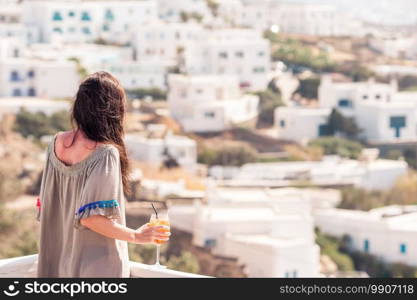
{"points": [[98, 111]]}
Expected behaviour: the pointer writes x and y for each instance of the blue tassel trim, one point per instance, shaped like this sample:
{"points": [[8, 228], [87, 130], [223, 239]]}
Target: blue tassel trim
{"points": [[98, 204]]}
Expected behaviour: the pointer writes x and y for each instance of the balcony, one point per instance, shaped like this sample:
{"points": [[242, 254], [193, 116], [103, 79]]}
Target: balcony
{"points": [[25, 266]]}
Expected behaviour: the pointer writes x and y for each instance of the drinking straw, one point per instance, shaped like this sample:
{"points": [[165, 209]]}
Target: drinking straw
{"points": [[156, 213]]}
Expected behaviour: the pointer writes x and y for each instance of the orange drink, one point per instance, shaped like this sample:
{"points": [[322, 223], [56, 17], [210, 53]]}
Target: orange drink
{"points": [[160, 222]]}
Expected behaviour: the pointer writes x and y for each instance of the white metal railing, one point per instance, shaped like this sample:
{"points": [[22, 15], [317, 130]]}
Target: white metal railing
{"points": [[26, 266]]}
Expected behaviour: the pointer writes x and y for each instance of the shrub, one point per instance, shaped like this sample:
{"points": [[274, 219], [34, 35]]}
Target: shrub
{"points": [[39, 124], [308, 88], [330, 247], [338, 146], [228, 155], [186, 262], [268, 101]]}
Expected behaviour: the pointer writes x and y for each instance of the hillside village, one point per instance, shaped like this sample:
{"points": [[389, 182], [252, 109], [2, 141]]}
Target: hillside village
{"points": [[281, 137]]}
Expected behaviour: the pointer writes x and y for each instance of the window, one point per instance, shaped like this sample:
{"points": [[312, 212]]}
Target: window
{"points": [[57, 30], [210, 243], [294, 274], [397, 122], [199, 91], [56, 16], [403, 248], [31, 73], [17, 93], [31, 92], [365, 97], [324, 130], [223, 54], [261, 53], [282, 123], [71, 29], [366, 246], [16, 53], [258, 70], [108, 15], [86, 30], [85, 16], [377, 96], [209, 115], [345, 103], [239, 54], [106, 27], [14, 76], [177, 35], [71, 14]]}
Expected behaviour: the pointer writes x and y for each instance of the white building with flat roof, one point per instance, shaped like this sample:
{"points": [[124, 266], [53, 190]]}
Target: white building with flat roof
{"points": [[388, 232], [301, 124], [209, 103], [270, 232], [86, 21], [33, 105], [368, 173], [28, 77], [298, 18], [240, 52], [395, 46], [157, 150], [166, 41], [384, 114]]}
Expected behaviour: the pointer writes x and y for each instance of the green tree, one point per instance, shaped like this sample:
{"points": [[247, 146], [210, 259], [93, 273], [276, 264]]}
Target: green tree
{"points": [[213, 5], [32, 124], [308, 88], [186, 262], [337, 123], [268, 101], [81, 70], [185, 17], [407, 83], [330, 247], [228, 155], [338, 146], [39, 124]]}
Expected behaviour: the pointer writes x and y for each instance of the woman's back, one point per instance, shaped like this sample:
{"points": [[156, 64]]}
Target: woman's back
{"points": [[78, 183]]}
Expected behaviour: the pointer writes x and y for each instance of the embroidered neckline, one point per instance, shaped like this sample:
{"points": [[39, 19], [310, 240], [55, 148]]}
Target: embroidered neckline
{"points": [[98, 204]]}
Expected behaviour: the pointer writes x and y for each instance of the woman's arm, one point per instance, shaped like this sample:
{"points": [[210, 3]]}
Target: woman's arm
{"points": [[146, 234]]}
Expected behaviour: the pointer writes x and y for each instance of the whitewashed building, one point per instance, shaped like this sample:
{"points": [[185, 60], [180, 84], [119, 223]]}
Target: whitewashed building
{"points": [[240, 52], [270, 232], [28, 77], [299, 18], [395, 46], [368, 172], [166, 41], [388, 232], [156, 150], [11, 24], [382, 113], [86, 21], [209, 103], [301, 124], [33, 105]]}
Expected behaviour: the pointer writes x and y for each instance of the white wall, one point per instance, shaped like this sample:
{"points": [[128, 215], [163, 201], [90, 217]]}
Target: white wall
{"points": [[300, 124]]}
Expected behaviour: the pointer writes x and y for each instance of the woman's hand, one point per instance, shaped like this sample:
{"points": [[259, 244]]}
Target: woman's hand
{"points": [[147, 234]]}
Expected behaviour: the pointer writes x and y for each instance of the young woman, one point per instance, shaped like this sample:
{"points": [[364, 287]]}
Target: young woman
{"points": [[82, 209]]}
